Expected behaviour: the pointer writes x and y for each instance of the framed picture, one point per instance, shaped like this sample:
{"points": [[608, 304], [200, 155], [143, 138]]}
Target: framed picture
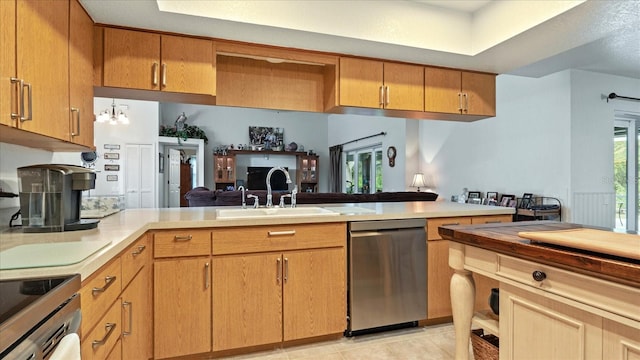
{"points": [[476, 200], [474, 195], [112, 177], [111, 156], [492, 195], [111, 167], [505, 199], [526, 201], [112, 146], [266, 136]]}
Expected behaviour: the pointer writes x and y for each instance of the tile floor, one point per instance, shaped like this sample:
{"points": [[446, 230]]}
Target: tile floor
{"points": [[425, 343]]}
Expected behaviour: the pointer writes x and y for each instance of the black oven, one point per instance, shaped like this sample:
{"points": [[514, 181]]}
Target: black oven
{"points": [[35, 314]]}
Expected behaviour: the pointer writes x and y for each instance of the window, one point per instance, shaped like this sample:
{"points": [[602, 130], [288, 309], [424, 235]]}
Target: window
{"points": [[363, 170]]}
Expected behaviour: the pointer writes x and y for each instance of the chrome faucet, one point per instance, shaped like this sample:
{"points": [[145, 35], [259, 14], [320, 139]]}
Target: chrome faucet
{"points": [[271, 171], [244, 202], [255, 200]]}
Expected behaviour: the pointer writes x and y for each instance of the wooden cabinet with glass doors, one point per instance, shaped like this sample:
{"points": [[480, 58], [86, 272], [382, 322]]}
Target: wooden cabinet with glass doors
{"points": [[224, 173], [307, 173]]}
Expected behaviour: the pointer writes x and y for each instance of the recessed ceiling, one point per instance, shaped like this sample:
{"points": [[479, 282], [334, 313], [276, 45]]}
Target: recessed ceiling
{"points": [[525, 37]]}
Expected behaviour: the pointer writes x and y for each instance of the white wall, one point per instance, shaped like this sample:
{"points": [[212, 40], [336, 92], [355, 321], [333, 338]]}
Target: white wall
{"points": [[344, 128], [228, 125]]}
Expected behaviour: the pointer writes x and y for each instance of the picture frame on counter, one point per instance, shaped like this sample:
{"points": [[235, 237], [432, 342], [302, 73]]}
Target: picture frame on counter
{"points": [[505, 199]]}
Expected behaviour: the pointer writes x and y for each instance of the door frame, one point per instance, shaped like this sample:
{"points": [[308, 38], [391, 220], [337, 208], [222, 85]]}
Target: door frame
{"points": [[166, 142], [632, 123]]}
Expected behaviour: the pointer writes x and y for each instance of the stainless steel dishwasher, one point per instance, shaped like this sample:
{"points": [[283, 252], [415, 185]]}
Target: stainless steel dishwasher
{"points": [[387, 274]]}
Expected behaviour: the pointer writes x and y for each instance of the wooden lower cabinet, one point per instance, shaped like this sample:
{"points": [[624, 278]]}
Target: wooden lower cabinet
{"points": [[182, 307], [538, 327], [620, 342], [100, 341], [272, 297], [136, 317]]}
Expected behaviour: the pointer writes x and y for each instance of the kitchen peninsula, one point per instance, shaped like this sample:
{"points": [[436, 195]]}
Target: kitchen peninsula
{"points": [[181, 261], [556, 302]]}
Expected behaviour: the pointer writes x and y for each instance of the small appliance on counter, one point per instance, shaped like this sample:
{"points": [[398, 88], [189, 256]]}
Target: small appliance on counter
{"points": [[51, 196]]}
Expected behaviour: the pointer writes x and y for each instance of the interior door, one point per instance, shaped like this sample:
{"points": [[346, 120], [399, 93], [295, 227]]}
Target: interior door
{"points": [[139, 176], [132, 176], [174, 178], [626, 167]]}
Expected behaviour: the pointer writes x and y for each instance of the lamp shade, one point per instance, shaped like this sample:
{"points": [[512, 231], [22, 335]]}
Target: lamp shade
{"points": [[418, 181]]}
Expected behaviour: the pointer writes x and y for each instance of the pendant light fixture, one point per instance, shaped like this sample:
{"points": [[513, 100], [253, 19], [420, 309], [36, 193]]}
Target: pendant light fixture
{"points": [[112, 116]]}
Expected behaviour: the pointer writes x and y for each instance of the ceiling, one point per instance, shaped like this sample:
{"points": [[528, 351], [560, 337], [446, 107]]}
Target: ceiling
{"points": [[526, 37]]}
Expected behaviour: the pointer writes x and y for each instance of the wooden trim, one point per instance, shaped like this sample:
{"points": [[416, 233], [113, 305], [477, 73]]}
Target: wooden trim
{"points": [[12, 135], [420, 115], [153, 95], [265, 52]]}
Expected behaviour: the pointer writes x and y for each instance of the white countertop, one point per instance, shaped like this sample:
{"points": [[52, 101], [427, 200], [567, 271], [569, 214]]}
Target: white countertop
{"points": [[124, 227]]}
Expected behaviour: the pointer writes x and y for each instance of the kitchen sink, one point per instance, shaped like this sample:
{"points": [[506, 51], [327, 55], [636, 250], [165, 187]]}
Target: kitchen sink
{"points": [[274, 212]]}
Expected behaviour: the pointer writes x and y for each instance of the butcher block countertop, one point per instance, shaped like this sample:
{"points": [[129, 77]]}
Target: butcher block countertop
{"points": [[120, 230], [505, 239]]}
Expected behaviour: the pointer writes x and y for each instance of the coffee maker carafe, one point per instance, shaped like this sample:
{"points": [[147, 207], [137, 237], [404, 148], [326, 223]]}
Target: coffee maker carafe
{"points": [[51, 195]]}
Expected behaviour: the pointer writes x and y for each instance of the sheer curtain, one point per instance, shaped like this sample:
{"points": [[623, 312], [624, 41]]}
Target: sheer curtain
{"points": [[335, 175]]}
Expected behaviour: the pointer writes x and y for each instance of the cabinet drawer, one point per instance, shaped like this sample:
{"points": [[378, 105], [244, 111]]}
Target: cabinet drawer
{"points": [[181, 243], [134, 258], [105, 335], [278, 237], [492, 219], [98, 293], [433, 224], [602, 294]]}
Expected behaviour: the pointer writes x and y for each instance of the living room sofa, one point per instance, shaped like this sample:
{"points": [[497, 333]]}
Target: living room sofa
{"points": [[201, 196]]}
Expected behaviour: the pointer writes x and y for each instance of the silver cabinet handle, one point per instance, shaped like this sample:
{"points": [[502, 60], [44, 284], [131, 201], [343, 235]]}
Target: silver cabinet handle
{"points": [[154, 68], [381, 96], [77, 111], [466, 102], [282, 233], [30, 117], [19, 93], [460, 102], [128, 304], [286, 269], [207, 278], [109, 327], [139, 250], [387, 91], [182, 238], [456, 223], [108, 281], [278, 271], [494, 222], [164, 75]]}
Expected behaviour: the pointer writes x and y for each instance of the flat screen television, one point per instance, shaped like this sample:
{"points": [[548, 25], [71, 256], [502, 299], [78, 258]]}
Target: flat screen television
{"points": [[257, 179]]}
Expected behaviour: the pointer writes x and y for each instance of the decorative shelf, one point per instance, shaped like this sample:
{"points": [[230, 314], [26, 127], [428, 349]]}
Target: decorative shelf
{"points": [[265, 152]]}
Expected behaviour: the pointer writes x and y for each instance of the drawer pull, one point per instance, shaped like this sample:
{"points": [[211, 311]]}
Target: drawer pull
{"points": [[282, 233], [539, 275], [130, 306], [108, 280], [494, 222], [182, 238], [109, 327], [449, 224], [139, 250]]}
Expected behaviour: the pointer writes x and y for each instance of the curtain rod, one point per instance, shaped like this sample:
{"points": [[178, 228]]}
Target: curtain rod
{"points": [[366, 137], [615, 96]]}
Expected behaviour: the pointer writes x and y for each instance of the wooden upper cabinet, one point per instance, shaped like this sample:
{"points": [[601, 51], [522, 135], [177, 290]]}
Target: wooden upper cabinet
{"points": [[42, 59], [377, 84], [188, 65], [459, 92], [481, 93], [80, 84], [147, 61], [8, 92], [131, 59]]}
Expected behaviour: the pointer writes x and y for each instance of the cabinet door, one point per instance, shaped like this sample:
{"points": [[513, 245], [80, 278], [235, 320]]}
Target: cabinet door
{"points": [[314, 293], [404, 87], [131, 59], [247, 300], [361, 82], [188, 65], [8, 92], [438, 279], [537, 327], [480, 91], [620, 342], [182, 307], [442, 90], [80, 85], [43, 61], [137, 316]]}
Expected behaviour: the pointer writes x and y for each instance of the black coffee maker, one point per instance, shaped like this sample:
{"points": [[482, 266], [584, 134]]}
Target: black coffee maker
{"points": [[51, 195]]}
